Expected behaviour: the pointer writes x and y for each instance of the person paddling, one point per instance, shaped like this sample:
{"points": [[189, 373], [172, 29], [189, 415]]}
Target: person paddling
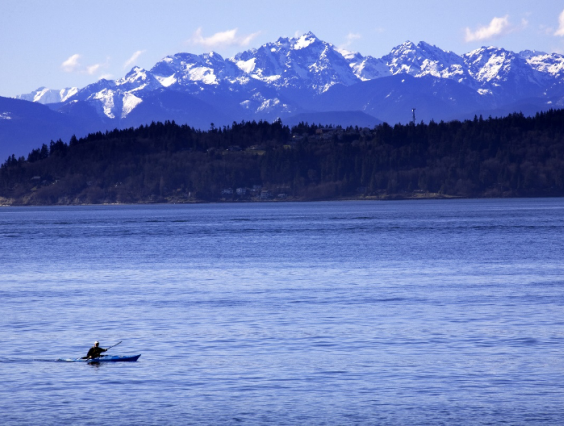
{"points": [[95, 351]]}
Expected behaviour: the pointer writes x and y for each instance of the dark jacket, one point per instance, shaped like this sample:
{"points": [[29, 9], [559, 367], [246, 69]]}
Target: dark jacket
{"points": [[95, 352]]}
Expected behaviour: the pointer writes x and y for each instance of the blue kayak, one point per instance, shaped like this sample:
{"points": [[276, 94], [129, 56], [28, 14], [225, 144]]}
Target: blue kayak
{"points": [[105, 358]]}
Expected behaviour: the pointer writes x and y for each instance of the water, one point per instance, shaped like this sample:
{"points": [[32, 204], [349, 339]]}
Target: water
{"points": [[392, 313]]}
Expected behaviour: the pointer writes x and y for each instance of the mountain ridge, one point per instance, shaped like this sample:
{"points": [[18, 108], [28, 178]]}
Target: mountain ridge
{"points": [[293, 76], [309, 64]]}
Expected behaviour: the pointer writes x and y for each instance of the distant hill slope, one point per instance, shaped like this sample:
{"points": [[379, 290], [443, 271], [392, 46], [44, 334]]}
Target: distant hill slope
{"points": [[26, 125], [181, 107], [391, 99]]}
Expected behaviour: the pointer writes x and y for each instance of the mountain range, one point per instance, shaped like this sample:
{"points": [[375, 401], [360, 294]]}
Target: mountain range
{"points": [[295, 79]]}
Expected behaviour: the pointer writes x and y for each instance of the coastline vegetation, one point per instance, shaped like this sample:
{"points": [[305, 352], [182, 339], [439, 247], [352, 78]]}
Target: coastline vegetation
{"points": [[512, 156]]}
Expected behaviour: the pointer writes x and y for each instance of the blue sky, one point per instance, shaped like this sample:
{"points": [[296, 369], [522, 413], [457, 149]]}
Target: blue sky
{"points": [[63, 43]]}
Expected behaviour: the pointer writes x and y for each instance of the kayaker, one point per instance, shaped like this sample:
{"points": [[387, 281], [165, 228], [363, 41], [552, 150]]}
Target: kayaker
{"points": [[95, 351]]}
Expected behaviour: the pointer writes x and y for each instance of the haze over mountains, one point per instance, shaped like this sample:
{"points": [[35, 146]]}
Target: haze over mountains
{"points": [[302, 78]]}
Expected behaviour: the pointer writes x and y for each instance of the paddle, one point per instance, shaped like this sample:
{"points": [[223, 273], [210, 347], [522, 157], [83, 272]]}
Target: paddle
{"points": [[106, 349], [114, 345], [110, 347]]}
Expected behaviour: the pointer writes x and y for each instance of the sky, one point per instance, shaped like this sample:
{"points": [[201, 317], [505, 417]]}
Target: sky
{"points": [[66, 43]]}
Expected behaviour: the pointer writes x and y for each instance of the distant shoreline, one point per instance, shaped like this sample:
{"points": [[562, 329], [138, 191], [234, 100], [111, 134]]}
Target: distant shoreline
{"points": [[392, 197]]}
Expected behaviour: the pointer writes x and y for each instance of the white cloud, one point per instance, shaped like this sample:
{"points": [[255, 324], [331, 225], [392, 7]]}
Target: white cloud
{"points": [[560, 30], [133, 58], [91, 69], [224, 38], [71, 64], [496, 28], [546, 30], [351, 37]]}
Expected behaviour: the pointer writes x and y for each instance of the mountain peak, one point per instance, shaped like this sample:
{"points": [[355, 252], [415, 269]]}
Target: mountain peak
{"points": [[350, 55], [427, 47], [487, 49], [425, 44], [527, 54], [213, 55], [408, 44], [407, 48], [304, 41], [133, 71], [276, 77], [44, 95]]}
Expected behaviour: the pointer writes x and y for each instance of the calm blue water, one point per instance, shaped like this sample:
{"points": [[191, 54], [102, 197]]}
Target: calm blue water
{"points": [[392, 313]]}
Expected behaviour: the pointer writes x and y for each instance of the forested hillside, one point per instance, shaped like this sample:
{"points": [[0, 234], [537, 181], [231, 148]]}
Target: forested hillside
{"points": [[165, 162]]}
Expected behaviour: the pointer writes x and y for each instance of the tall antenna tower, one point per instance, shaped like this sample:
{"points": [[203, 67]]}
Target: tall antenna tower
{"points": [[413, 114]]}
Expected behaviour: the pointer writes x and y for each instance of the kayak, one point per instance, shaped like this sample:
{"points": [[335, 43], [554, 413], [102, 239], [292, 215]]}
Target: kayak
{"points": [[105, 358], [113, 358]]}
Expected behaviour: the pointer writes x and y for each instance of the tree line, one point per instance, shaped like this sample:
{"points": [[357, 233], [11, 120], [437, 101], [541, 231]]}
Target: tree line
{"points": [[165, 162]]}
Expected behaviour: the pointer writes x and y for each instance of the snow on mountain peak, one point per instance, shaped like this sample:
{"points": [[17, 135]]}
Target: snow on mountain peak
{"points": [[138, 79], [424, 59], [130, 101], [190, 70], [488, 63], [304, 41], [551, 65], [44, 95], [528, 54], [135, 74], [350, 55], [166, 81], [305, 63], [302, 62], [106, 101], [247, 66], [67, 93]]}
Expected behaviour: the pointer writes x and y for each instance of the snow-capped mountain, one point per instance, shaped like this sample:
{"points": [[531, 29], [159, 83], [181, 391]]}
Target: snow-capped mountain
{"points": [[305, 62], [506, 76], [278, 78], [548, 64], [186, 69], [423, 59], [366, 68], [43, 95], [305, 75]]}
